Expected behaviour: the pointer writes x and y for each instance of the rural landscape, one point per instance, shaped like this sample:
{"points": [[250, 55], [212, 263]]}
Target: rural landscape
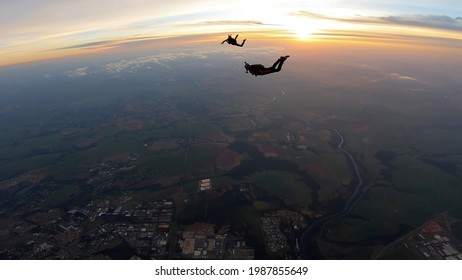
{"points": [[139, 160]]}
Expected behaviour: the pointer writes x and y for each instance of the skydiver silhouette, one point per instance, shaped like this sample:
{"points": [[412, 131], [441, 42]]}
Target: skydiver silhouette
{"points": [[233, 41], [258, 69]]}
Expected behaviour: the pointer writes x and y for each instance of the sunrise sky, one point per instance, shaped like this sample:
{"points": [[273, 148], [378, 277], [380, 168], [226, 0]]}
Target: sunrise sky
{"points": [[43, 29]]}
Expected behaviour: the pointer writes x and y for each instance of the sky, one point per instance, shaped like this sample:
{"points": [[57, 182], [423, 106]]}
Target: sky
{"points": [[45, 29]]}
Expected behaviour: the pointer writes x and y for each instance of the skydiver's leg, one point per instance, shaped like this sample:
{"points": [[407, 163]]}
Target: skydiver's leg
{"points": [[240, 45], [277, 66], [235, 38]]}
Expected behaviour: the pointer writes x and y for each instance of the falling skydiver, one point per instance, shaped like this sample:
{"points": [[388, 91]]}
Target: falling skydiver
{"points": [[233, 41], [259, 70]]}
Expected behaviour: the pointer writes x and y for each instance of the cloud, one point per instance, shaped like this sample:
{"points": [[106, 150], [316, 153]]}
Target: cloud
{"points": [[402, 77], [164, 58], [105, 43], [422, 37], [229, 22], [427, 21], [312, 15], [86, 45], [79, 72], [119, 66]]}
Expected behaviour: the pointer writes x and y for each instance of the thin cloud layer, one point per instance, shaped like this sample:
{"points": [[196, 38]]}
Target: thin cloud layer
{"points": [[164, 58], [79, 72], [117, 67], [427, 21], [402, 77]]}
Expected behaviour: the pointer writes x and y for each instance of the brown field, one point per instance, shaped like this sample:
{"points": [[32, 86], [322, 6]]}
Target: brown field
{"points": [[325, 135], [320, 171], [204, 156], [362, 127], [165, 144], [268, 150], [33, 176], [218, 137], [263, 136], [228, 159], [167, 181], [129, 124], [302, 139], [432, 227], [85, 143]]}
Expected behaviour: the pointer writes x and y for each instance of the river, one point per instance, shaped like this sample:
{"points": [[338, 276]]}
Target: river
{"points": [[308, 239]]}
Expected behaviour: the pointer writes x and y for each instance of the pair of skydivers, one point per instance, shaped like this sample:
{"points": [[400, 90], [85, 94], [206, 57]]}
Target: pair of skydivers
{"points": [[257, 69]]}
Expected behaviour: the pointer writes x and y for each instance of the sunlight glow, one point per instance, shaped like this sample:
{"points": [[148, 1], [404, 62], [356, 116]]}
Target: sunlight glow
{"points": [[304, 28], [301, 29], [302, 32], [41, 31]]}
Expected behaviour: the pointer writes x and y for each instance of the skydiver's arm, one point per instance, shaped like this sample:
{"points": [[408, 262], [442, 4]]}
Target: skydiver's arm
{"points": [[224, 41]]}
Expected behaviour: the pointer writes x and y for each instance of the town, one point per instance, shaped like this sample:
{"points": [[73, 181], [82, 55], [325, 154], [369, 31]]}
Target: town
{"points": [[119, 227]]}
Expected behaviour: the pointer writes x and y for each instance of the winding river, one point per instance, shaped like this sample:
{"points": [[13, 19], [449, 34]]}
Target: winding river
{"points": [[308, 238]]}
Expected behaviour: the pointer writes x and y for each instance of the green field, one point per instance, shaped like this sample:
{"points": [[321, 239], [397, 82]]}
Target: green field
{"points": [[62, 196], [285, 186]]}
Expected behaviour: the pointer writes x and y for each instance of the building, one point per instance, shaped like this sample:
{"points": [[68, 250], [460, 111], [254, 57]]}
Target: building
{"points": [[205, 184]]}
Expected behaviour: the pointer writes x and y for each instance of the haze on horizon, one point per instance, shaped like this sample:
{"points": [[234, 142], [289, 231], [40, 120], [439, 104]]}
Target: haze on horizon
{"points": [[47, 29]]}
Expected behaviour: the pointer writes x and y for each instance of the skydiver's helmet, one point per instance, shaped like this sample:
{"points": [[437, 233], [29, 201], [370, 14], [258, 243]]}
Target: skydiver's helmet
{"points": [[247, 67]]}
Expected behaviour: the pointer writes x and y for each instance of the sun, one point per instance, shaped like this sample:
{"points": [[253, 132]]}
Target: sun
{"points": [[302, 30], [302, 33]]}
